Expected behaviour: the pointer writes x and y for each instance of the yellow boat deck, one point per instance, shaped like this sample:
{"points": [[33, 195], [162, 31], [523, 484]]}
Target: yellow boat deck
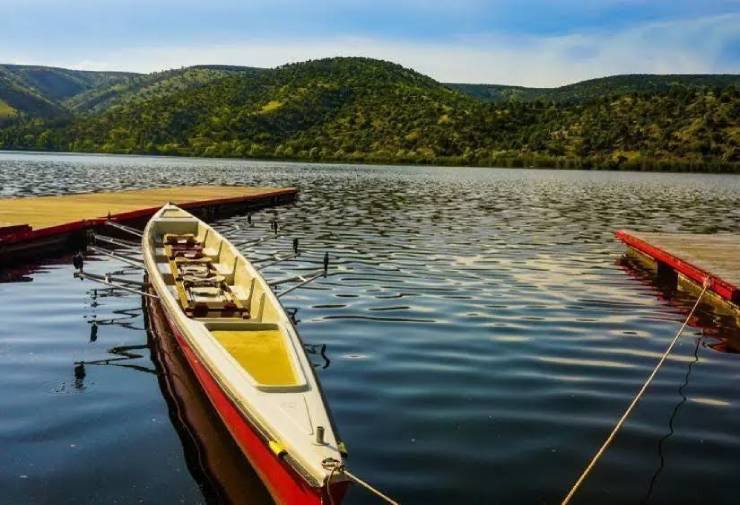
{"points": [[50, 211], [262, 353]]}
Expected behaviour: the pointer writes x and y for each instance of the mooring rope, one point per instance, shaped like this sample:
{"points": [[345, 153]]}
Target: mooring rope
{"points": [[369, 487], [335, 466], [627, 412]]}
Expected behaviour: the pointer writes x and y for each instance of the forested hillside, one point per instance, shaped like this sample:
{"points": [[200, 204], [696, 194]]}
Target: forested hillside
{"points": [[139, 88], [357, 109], [60, 83], [591, 89], [36, 91], [18, 100]]}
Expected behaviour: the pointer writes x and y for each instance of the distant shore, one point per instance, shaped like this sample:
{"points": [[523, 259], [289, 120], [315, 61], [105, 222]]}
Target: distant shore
{"points": [[527, 162]]}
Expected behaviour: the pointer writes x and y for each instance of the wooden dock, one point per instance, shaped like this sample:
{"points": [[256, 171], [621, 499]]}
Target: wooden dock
{"points": [[32, 226], [693, 257]]}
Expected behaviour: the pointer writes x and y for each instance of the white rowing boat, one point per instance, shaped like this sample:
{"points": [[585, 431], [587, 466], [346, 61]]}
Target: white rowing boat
{"points": [[247, 356]]}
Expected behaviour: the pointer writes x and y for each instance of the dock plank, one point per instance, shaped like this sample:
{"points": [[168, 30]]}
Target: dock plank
{"points": [[50, 211], [696, 256], [717, 254], [35, 226]]}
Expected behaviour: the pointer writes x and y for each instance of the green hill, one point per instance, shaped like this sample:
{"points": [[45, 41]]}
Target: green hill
{"points": [[617, 85], [59, 84], [33, 91], [344, 104], [141, 87], [19, 100], [358, 109]]}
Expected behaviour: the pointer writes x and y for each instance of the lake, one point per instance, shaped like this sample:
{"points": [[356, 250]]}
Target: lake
{"points": [[483, 336]]}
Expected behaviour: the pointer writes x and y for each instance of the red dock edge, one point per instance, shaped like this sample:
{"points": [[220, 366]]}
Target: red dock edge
{"points": [[721, 287], [23, 237]]}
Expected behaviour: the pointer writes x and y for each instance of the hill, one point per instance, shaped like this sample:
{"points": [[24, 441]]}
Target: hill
{"points": [[51, 93], [141, 87], [37, 91], [618, 85], [350, 104], [18, 100], [358, 109], [59, 84]]}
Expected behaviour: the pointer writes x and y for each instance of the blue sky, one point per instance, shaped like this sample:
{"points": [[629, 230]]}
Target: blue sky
{"points": [[527, 42]]}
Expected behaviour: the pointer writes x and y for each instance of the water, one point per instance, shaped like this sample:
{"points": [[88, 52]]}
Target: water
{"points": [[484, 334]]}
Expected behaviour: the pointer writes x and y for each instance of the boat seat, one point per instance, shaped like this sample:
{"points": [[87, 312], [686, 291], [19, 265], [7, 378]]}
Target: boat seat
{"points": [[182, 248], [208, 294], [176, 239], [182, 238], [189, 260], [192, 273], [201, 290], [207, 300], [198, 274], [194, 268], [201, 282]]}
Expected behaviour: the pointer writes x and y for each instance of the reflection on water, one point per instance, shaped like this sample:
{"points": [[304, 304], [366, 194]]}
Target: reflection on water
{"points": [[123, 354], [482, 334], [213, 458], [672, 419], [720, 327]]}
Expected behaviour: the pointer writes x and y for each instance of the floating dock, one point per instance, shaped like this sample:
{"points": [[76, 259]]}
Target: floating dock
{"points": [[693, 257], [35, 226]]}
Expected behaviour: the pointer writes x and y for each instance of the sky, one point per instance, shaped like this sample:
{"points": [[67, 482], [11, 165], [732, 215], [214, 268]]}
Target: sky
{"points": [[522, 42]]}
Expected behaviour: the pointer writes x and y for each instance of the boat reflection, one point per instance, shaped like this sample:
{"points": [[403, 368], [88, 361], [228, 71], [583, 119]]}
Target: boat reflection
{"points": [[213, 458], [218, 466]]}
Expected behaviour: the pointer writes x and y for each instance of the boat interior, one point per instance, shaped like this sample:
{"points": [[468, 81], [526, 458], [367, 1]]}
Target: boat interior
{"points": [[213, 284]]}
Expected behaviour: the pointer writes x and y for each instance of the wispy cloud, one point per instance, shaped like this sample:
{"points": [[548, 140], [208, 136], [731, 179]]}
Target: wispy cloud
{"points": [[702, 45]]}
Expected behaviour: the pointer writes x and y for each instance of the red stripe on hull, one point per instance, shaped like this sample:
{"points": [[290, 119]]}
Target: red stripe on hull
{"points": [[284, 484]]}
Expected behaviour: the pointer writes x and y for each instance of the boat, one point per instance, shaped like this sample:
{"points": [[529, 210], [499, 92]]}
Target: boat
{"points": [[247, 357]]}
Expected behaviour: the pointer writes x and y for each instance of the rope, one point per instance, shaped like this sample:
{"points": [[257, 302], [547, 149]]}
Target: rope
{"points": [[627, 412], [370, 488], [328, 483], [335, 466]]}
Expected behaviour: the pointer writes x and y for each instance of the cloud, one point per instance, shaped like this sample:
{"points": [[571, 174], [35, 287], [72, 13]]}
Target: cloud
{"points": [[702, 45]]}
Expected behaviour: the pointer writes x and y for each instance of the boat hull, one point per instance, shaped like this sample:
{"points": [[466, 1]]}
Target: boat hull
{"points": [[285, 485]]}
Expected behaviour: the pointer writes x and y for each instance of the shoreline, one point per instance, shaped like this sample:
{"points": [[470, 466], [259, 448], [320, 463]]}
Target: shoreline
{"points": [[660, 166]]}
